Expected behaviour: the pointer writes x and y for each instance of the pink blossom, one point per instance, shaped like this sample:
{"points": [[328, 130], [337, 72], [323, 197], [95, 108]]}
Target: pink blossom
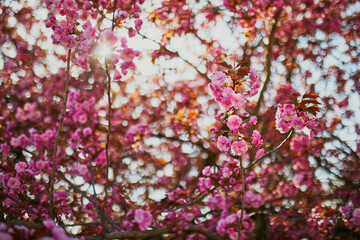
{"points": [[15, 142], [70, 5], [223, 143], [132, 32], [208, 183], [284, 115], [239, 147], [298, 123], [255, 85], [220, 227], [204, 183], [138, 24], [226, 171], [252, 120], [356, 212], [108, 37], [234, 122], [143, 218], [253, 92], [13, 183], [117, 76], [123, 15], [87, 131], [40, 164], [300, 143], [238, 101], [80, 169], [254, 77], [225, 98], [128, 54], [259, 153], [218, 78], [20, 167], [213, 130], [206, 171], [302, 178], [288, 113], [256, 137], [253, 199], [312, 124], [82, 118], [69, 41]]}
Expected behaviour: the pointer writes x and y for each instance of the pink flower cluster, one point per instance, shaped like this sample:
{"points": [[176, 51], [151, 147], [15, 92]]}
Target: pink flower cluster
{"points": [[143, 218], [254, 200], [63, 32], [231, 94], [240, 147], [351, 215], [57, 232], [135, 132], [287, 117], [86, 45], [50, 232], [302, 178], [28, 112], [228, 225], [223, 94]]}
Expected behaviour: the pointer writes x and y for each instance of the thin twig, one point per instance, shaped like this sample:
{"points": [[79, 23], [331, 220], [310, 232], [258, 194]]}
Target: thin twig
{"points": [[191, 202], [107, 140], [243, 198], [113, 17], [105, 227], [95, 195], [52, 179], [176, 53], [270, 152], [268, 61]]}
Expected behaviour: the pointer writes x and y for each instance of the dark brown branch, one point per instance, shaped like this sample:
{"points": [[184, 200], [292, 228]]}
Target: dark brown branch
{"points": [[113, 17], [52, 179], [155, 233], [107, 63], [107, 140], [243, 198], [270, 152], [268, 62], [96, 203], [191, 202], [84, 195]]}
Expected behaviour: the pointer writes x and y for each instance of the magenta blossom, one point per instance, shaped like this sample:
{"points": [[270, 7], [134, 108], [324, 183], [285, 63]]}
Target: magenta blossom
{"points": [[234, 122], [223, 143], [143, 218], [13, 183], [218, 78], [239, 147]]}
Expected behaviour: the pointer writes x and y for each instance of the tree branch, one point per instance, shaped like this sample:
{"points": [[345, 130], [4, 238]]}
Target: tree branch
{"points": [[155, 233], [268, 61], [52, 179], [243, 198], [270, 152], [96, 203], [107, 141], [176, 53]]}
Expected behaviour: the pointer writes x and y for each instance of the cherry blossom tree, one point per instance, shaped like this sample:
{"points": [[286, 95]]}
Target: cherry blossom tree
{"points": [[179, 119]]}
